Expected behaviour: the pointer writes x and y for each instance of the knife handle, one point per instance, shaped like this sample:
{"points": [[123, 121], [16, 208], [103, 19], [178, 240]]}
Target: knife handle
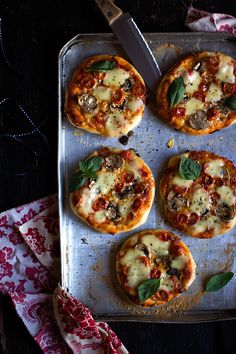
{"points": [[109, 10]]}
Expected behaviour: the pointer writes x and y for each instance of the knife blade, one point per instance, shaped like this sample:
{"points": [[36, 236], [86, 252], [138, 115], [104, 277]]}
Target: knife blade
{"points": [[133, 42]]}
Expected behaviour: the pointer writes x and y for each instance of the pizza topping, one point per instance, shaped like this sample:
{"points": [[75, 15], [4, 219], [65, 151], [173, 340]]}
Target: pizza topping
{"points": [[189, 169], [126, 85], [155, 245], [113, 212], [113, 161], [100, 216], [194, 218], [225, 70], [142, 247], [230, 102], [199, 201], [102, 93], [176, 91], [87, 103], [99, 204], [225, 212], [215, 168], [226, 195], [197, 66], [102, 65], [214, 93], [118, 96], [175, 202], [116, 77], [179, 262], [148, 288], [192, 80], [199, 120]]}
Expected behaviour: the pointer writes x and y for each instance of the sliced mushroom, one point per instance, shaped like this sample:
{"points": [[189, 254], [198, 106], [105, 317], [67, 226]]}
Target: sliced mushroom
{"points": [[197, 66], [142, 247], [127, 192], [112, 212], [175, 202], [113, 107], [173, 271], [113, 161], [127, 85], [224, 173], [87, 102], [222, 108], [225, 212], [199, 120]]}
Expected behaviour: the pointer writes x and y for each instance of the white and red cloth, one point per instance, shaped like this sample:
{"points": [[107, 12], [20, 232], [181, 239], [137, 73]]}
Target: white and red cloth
{"points": [[29, 273], [202, 21]]}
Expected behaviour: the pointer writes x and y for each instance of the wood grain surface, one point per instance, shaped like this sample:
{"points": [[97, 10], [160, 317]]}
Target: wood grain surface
{"points": [[33, 33]]}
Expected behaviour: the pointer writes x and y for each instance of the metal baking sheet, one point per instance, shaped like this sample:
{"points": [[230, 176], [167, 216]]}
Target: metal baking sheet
{"points": [[88, 257]]}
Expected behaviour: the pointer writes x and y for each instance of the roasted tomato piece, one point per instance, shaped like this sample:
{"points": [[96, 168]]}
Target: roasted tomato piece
{"points": [[193, 218], [87, 82], [207, 181], [99, 204], [118, 96], [126, 154], [139, 90], [155, 273], [182, 219], [179, 189], [179, 111], [129, 176]]}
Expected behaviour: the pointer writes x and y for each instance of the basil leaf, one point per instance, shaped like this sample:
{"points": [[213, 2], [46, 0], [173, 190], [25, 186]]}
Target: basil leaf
{"points": [[176, 91], [93, 163], [148, 288], [218, 281], [102, 65], [230, 102], [78, 179], [87, 169], [189, 169]]}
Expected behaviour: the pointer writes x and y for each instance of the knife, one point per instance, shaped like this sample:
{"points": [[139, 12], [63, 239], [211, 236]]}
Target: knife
{"points": [[133, 42]]}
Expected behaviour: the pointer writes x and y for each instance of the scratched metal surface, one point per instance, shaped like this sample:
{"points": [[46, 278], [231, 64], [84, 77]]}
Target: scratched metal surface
{"points": [[88, 257]]}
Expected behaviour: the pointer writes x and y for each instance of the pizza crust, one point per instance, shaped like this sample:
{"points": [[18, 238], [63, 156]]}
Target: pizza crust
{"points": [[114, 108], [209, 78], [127, 193], [156, 254], [206, 206]]}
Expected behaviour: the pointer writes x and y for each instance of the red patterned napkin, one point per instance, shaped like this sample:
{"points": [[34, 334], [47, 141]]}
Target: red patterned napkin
{"points": [[198, 20], [30, 271]]}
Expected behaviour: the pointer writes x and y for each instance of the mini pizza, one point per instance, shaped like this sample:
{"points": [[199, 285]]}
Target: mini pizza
{"points": [[198, 192], [106, 96], [112, 190], [154, 267], [198, 94]]}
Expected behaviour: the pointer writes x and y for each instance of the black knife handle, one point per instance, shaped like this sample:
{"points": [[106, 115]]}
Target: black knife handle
{"points": [[109, 10]]}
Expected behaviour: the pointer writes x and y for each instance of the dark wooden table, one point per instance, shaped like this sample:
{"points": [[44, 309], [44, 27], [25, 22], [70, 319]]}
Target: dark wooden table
{"points": [[33, 33]]}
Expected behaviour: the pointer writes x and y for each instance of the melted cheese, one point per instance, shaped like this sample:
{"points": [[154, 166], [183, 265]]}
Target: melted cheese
{"points": [[226, 195], [125, 207], [100, 216], [132, 167], [193, 105], [200, 226], [88, 197], [105, 182], [135, 104], [137, 270], [214, 93], [212, 222], [225, 70], [191, 81], [179, 181], [115, 77], [158, 247], [214, 168], [199, 201], [179, 262], [166, 283], [115, 121], [102, 93]]}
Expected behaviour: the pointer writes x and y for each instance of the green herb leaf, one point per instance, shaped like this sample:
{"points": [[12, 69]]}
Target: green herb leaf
{"points": [[218, 281], [87, 169], [93, 163], [148, 288], [176, 91], [189, 169], [102, 65], [230, 102]]}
